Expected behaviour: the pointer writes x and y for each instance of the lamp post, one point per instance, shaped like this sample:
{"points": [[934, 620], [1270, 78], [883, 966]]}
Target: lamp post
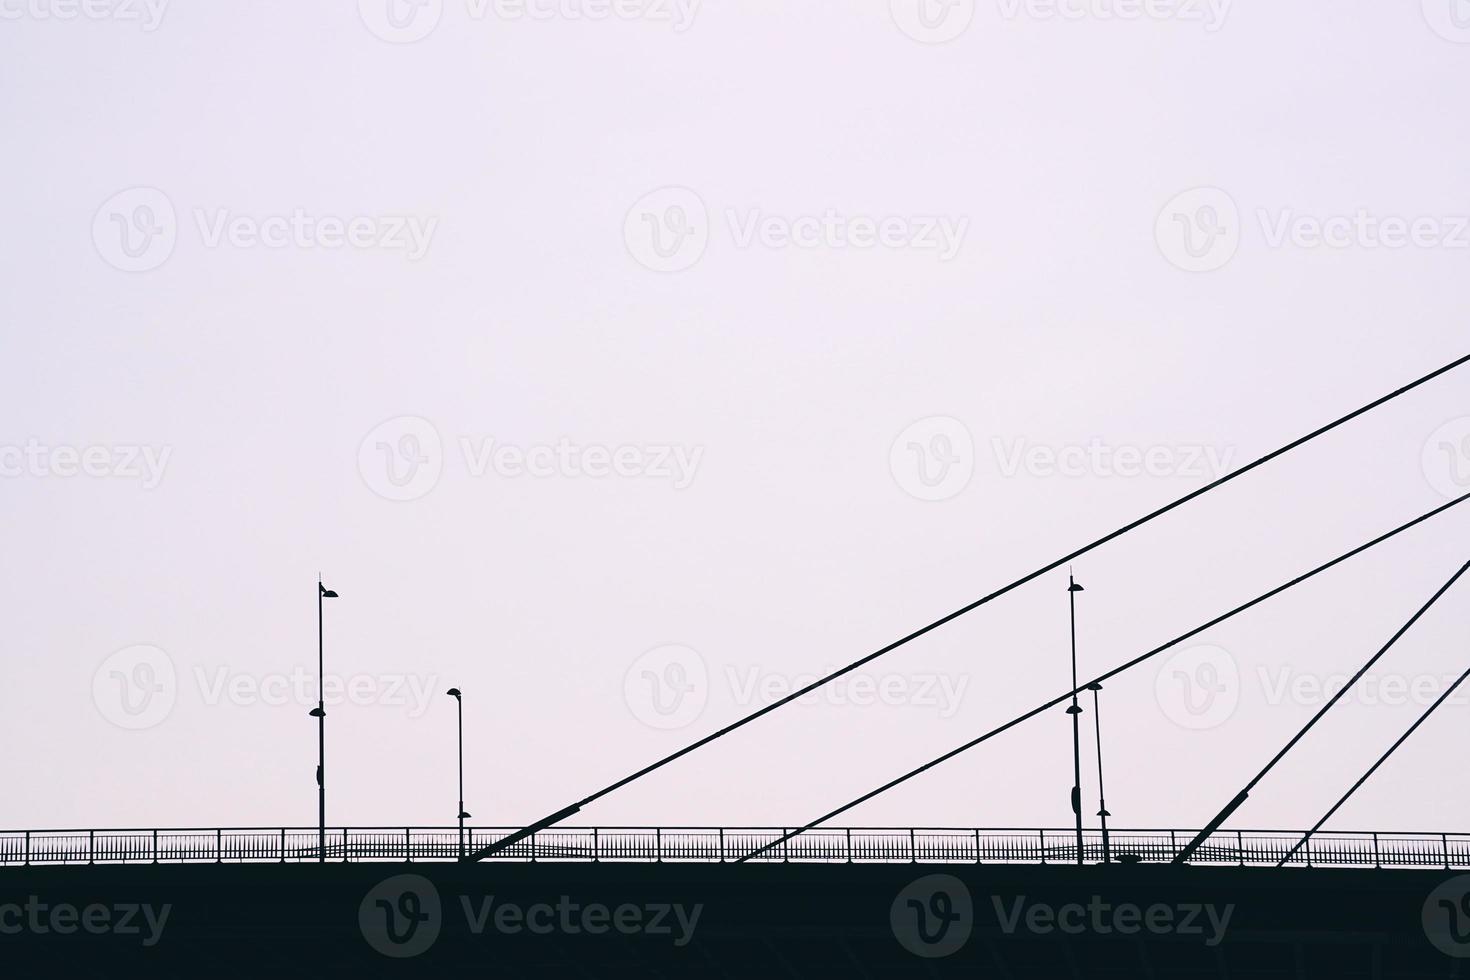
{"points": [[1102, 803], [1072, 589], [320, 714], [458, 696]]}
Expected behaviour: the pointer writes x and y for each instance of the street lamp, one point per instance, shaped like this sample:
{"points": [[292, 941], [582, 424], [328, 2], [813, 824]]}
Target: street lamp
{"points": [[458, 696], [1102, 803], [1072, 589], [320, 714]]}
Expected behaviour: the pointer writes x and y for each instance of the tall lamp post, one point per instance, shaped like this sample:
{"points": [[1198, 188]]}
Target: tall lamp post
{"points": [[458, 696], [320, 714], [1072, 589], [1102, 803]]}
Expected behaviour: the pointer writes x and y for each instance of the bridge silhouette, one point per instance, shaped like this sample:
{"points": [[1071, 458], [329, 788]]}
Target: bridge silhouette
{"points": [[826, 845]]}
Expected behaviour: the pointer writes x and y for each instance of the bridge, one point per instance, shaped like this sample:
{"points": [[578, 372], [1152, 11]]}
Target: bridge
{"points": [[827, 845]]}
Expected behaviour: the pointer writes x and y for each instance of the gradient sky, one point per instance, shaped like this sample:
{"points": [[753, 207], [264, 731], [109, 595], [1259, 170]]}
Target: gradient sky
{"points": [[605, 211]]}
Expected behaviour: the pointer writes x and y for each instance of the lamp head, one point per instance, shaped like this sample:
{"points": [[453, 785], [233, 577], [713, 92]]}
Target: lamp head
{"points": [[453, 692], [464, 814], [326, 593]]}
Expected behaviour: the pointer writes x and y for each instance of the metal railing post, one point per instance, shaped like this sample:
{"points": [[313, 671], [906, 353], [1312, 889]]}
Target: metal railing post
{"points": [[1377, 858], [1240, 846], [1444, 840], [658, 845], [848, 835], [283, 845], [913, 851], [91, 846], [28, 848], [1042, 835], [597, 848], [408, 844], [155, 846], [977, 845], [1173, 845]]}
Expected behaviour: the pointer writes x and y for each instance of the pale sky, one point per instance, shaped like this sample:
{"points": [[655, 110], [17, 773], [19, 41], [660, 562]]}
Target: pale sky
{"points": [[623, 371]]}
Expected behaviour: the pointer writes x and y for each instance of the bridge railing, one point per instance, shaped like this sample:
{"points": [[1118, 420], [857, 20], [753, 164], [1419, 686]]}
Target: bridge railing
{"points": [[865, 845]]}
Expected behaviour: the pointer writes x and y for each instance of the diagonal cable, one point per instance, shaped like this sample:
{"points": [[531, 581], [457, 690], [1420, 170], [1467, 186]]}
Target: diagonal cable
{"points": [[1113, 673], [548, 821], [1374, 768]]}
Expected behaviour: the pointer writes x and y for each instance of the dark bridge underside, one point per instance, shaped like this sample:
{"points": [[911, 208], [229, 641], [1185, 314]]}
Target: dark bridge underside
{"points": [[778, 920]]}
